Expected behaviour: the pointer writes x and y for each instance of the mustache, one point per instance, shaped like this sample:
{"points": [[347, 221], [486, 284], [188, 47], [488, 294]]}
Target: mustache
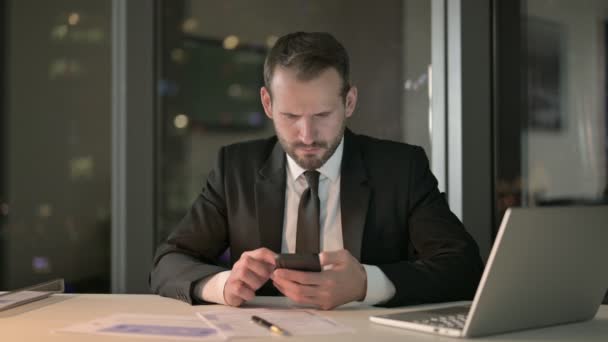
{"points": [[315, 144]]}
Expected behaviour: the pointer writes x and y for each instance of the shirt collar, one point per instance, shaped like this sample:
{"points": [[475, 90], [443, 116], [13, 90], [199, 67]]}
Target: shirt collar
{"points": [[331, 168]]}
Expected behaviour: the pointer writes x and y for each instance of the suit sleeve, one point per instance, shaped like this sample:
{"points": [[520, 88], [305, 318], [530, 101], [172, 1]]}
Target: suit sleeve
{"points": [[446, 265], [189, 253]]}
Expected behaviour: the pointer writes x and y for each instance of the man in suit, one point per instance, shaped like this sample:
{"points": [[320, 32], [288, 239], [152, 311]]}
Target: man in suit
{"points": [[370, 207]]}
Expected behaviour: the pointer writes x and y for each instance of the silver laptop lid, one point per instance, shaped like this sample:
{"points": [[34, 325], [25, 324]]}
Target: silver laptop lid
{"points": [[548, 267]]}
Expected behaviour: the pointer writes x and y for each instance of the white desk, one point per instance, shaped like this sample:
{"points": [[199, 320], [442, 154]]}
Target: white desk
{"points": [[36, 321]]}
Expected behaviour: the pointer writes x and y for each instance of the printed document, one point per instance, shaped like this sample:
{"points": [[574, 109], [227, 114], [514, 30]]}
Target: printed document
{"points": [[143, 325], [231, 322]]}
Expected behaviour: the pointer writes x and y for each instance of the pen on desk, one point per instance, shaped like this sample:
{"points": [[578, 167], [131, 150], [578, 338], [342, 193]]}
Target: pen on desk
{"points": [[275, 329]]}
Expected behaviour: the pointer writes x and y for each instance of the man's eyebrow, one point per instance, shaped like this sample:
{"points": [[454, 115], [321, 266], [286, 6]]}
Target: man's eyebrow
{"points": [[320, 113]]}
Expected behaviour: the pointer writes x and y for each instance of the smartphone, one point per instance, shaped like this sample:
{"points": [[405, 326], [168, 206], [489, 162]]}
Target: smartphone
{"points": [[300, 262]]}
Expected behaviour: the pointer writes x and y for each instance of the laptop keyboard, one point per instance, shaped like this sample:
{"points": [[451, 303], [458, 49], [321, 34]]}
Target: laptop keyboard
{"points": [[450, 317], [448, 321]]}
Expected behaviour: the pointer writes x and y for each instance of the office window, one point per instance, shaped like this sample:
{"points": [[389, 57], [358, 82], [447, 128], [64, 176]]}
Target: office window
{"points": [[211, 60], [552, 142], [55, 143]]}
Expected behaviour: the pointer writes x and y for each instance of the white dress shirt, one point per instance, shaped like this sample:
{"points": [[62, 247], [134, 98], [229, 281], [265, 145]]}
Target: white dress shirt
{"points": [[379, 287]]}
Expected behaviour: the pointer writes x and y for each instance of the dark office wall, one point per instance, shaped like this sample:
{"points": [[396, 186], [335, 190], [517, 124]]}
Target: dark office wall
{"points": [[3, 118]]}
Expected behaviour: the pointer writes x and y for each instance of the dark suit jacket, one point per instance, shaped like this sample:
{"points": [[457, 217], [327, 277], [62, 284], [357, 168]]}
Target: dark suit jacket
{"points": [[393, 216]]}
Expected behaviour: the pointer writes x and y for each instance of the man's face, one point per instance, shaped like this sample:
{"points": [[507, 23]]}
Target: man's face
{"points": [[309, 117]]}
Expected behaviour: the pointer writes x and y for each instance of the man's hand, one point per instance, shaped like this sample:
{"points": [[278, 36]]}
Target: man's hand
{"points": [[248, 274], [345, 281]]}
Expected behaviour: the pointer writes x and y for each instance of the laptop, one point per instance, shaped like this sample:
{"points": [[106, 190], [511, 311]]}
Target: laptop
{"points": [[547, 267]]}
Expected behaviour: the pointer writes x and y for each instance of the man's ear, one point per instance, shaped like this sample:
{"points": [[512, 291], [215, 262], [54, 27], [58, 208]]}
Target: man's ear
{"points": [[351, 101], [266, 101]]}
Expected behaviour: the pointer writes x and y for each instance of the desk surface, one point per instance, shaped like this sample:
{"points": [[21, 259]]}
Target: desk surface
{"points": [[36, 321]]}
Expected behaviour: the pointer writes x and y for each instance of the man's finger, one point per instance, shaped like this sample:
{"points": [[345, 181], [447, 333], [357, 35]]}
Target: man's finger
{"points": [[305, 300], [233, 300], [261, 268], [246, 293], [263, 254], [251, 279], [299, 300], [236, 292], [296, 291], [243, 291], [333, 258], [304, 278]]}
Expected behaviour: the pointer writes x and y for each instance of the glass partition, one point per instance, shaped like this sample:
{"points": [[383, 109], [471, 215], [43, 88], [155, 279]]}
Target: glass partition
{"points": [[55, 143], [552, 148]]}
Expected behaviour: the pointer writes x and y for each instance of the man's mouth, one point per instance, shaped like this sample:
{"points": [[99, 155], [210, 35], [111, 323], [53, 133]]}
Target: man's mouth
{"points": [[310, 149]]}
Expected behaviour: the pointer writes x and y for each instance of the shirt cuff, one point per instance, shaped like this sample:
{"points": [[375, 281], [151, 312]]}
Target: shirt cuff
{"points": [[379, 288], [211, 288]]}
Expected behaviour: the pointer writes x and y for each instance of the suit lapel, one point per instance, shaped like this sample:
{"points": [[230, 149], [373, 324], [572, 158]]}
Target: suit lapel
{"points": [[270, 199], [354, 196]]}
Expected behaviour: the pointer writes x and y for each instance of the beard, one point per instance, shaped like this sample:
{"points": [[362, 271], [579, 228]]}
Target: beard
{"points": [[312, 161]]}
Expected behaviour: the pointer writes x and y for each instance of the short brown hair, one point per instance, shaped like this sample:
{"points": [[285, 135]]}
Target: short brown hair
{"points": [[309, 53]]}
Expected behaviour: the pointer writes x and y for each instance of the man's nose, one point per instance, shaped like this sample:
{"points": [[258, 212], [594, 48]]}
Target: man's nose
{"points": [[307, 134]]}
